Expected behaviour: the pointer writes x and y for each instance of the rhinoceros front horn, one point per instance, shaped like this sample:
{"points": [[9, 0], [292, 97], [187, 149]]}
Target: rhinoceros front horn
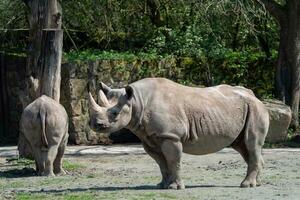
{"points": [[102, 100], [93, 106]]}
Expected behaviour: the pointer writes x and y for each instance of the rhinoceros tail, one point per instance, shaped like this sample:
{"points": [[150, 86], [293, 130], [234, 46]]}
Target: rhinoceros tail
{"points": [[43, 125]]}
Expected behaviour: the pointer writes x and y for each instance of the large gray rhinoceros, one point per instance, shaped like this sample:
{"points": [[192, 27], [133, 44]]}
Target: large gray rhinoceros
{"points": [[44, 124], [170, 118]]}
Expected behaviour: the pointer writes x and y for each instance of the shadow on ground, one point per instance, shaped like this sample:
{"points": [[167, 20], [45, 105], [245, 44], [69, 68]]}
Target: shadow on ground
{"points": [[18, 173], [118, 188]]}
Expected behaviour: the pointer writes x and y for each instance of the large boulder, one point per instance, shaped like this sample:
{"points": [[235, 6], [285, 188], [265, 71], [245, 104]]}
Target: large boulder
{"points": [[280, 118]]}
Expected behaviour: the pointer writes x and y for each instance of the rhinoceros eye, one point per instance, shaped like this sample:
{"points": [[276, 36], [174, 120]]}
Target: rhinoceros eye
{"points": [[114, 113]]}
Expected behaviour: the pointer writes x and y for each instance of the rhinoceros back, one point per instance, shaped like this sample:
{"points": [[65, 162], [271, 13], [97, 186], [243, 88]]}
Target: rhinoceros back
{"points": [[44, 121]]}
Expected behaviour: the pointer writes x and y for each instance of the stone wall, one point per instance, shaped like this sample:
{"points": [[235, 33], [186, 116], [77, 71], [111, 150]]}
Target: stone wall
{"points": [[75, 77]]}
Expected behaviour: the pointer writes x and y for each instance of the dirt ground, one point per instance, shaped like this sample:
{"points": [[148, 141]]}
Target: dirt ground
{"points": [[134, 175]]}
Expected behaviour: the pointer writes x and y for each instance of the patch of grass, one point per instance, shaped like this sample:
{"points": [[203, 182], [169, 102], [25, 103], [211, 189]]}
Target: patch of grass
{"points": [[69, 166], [20, 161], [90, 195], [27, 196], [15, 184], [49, 181], [91, 176], [67, 196]]}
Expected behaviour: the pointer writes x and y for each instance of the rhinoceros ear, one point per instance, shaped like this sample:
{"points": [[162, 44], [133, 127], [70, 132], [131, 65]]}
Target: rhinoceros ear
{"points": [[104, 88], [129, 92]]}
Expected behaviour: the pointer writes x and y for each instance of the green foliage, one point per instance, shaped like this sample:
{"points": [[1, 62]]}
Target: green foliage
{"points": [[248, 68], [12, 16], [93, 54]]}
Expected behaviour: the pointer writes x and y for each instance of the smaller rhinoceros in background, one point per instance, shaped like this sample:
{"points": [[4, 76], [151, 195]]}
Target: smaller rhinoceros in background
{"points": [[44, 124], [170, 118]]}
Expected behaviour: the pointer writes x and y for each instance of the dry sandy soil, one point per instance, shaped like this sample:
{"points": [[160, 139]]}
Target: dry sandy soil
{"points": [[134, 176]]}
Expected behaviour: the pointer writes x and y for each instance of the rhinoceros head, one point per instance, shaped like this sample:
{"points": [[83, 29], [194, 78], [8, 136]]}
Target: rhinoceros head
{"points": [[113, 111]]}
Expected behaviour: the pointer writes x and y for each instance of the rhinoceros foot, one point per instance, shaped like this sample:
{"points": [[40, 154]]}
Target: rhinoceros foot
{"points": [[174, 185], [258, 181], [248, 183], [60, 172], [49, 174]]}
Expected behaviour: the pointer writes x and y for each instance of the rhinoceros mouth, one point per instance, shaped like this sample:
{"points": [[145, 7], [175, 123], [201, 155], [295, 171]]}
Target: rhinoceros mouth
{"points": [[102, 126]]}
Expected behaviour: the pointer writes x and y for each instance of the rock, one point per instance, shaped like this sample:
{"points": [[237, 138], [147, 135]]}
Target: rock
{"points": [[76, 107], [78, 88], [280, 118], [79, 123]]}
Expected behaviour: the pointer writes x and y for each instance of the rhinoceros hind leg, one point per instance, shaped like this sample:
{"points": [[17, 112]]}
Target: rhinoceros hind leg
{"points": [[172, 152], [255, 163], [58, 165], [249, 143], [48, 157], [37, 154]]}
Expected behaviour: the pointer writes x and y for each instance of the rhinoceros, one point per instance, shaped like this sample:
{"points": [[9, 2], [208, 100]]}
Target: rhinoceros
{"points": [[170, 119], [44, 124]]}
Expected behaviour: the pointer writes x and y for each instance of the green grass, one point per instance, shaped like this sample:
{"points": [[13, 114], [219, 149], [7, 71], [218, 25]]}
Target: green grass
{"points": [[20, 161], [67, 196], [96, 195], [91, 176], [69, 166]]}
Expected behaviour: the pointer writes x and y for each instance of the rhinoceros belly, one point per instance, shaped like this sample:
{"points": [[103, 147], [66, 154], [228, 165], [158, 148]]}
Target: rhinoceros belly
{"points": [[207, 144], [212, 128]]}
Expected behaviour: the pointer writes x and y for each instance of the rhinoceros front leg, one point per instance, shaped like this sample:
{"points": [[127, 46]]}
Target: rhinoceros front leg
{"points": [[161, 161], [172, 151]]}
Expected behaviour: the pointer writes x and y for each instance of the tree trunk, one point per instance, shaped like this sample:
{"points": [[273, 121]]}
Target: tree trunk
{"points": [[43, 14], [50, 73], [293, 52], [44, 52], [288, 63]]}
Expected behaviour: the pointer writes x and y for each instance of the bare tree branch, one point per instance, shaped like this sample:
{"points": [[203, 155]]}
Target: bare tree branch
{"points": [[275, 9]]}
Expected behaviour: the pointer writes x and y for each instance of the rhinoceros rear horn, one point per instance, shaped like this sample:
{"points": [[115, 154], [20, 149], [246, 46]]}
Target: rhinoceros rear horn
{"points": [[93, 106], [102, 100]]}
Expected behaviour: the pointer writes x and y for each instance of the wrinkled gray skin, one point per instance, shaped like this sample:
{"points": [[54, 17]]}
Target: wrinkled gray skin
{"points": [[170, 118], [44, 123]]}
